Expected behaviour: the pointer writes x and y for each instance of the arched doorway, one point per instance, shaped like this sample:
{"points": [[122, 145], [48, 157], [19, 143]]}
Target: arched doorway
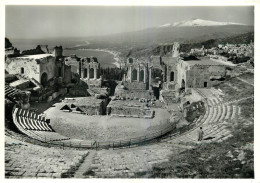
{"points": [[85, 73], [44, 79], [22, 70], [183, 83], [91, 73], [172, 76], [134, 74], [141, 77]]}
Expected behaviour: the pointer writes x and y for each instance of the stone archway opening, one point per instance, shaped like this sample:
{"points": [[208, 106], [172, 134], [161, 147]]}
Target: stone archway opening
{"points": [[91, 73], [172, 76], [141, 77], [183, 84], [44, 79], [85, 73], [134, 75]]}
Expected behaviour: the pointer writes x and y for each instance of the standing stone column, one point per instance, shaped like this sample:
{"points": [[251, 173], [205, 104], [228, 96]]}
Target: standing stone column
{"points": [[167, 74], [150, 78], [88, 72], [80, 69], [145, 70], [138, 73], [130, 74], [95, 73]]}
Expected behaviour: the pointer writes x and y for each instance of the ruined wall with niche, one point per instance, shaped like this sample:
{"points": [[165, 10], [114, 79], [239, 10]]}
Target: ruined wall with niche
{"points": [[47, 65], [181, 74], [33, 68], [30, 66], [200, 76], [68, 74]]}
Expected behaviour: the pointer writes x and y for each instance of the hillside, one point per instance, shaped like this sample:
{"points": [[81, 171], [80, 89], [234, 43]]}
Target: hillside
{"points": [[194, 22], [181, 32], [239, 39], [140, 51]]}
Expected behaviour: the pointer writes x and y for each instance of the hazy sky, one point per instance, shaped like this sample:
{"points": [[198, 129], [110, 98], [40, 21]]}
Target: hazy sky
{"points": [[80, 21]]}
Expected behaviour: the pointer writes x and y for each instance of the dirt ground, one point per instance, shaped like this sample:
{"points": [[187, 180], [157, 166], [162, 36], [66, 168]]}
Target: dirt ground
{"points": [[103, 128]]}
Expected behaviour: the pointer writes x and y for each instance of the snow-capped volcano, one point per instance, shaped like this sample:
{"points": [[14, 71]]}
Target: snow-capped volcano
{"points": [[198, 22]]}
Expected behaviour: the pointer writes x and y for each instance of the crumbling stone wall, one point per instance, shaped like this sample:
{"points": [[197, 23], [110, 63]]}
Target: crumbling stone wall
{"points": [[92, 109], [44, 48], [35, 51], [199, 74], [8, 44], [130, 111], [31, 67], [47, 65], [58, 51], [89, 68], [67, 74]]}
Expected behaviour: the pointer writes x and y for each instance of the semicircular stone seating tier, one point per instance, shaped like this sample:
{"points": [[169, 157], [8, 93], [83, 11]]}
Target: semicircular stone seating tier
{"points": [[35, 125], [214, 123]]}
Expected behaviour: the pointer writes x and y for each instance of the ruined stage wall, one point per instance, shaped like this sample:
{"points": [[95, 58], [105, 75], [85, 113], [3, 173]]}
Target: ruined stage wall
{"points": [[198, 75], [31, 68], [47, 65]]}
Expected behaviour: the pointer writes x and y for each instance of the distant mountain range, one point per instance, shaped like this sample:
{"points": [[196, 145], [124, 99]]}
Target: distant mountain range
{"points": [[245, 38], [195, 22], [189, 31]]}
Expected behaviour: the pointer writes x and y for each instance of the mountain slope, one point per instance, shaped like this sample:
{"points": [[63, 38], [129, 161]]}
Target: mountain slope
{"points": [[168, 33], [199, 22], [186, 47]]}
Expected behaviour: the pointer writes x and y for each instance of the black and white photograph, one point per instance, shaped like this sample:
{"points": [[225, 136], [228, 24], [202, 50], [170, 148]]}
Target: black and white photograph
{"points": [[128, 92]]}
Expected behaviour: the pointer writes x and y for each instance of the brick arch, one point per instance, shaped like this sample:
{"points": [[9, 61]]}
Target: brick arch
{"points": [[85, 73], [44, 79], [141, 75], [91, 73], [172, 76], [134, 74]]}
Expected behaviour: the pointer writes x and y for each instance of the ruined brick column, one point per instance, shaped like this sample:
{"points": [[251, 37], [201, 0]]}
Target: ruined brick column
{"points": [[80, 69], [145, 70], [95, 73], [88, 72], [130, 74], [167, 77], [150, 77], [138, 73]]}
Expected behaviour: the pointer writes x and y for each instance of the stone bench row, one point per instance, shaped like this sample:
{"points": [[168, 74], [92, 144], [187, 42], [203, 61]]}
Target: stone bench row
{"points": [[30, 114], [31, 123], [38, 135]]}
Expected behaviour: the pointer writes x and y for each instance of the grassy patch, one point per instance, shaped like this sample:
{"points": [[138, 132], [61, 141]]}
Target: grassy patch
{"points": [[249, 77], [247, 108], [235, 89], [209, 161]]}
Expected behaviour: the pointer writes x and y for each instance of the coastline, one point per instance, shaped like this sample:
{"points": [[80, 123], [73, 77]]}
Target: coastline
{"points": [[116, 54]]}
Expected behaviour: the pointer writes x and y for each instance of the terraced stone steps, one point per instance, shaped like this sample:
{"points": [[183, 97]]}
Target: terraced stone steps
{"points": [[24, 160], [128, 163], [85, 166], [212, 122]]}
